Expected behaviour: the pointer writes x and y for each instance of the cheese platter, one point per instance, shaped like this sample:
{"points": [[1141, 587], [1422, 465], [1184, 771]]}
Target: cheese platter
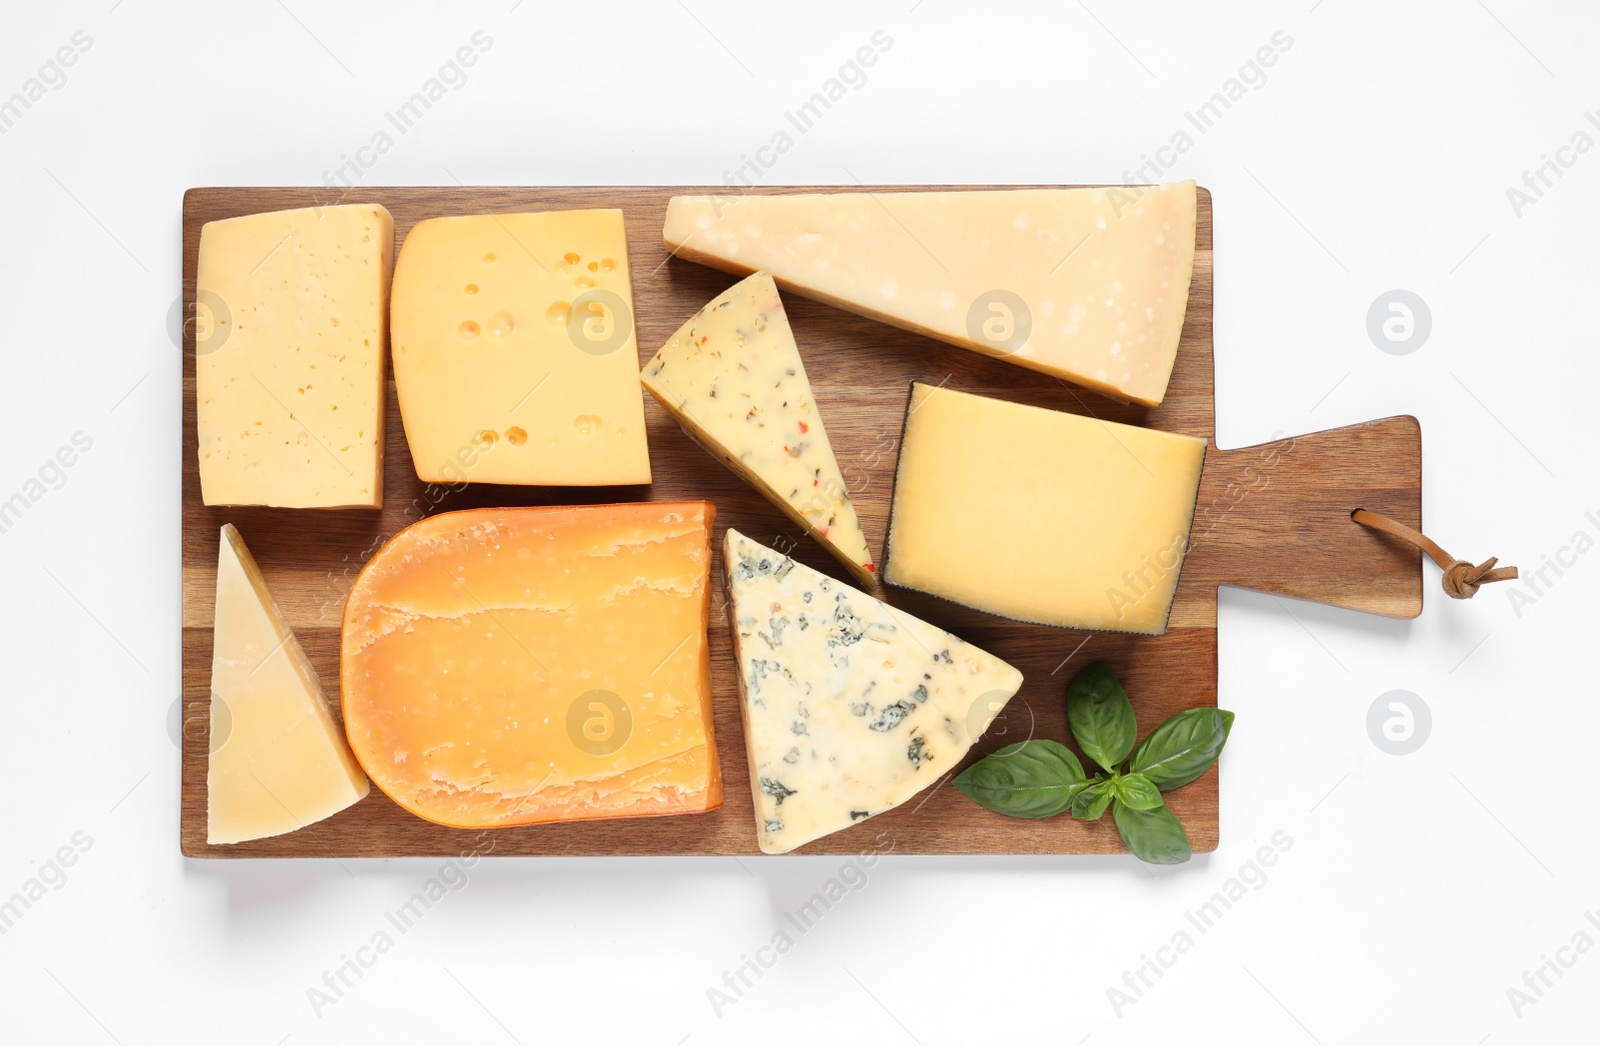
{"points": [[1274, 518]]}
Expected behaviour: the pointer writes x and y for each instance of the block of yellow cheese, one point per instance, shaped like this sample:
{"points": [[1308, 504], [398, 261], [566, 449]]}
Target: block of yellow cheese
{"points": [[291, 316], [518, 665], [1041, 516], [278, 759], [733, 379], [1090, 285], [514, 351]]}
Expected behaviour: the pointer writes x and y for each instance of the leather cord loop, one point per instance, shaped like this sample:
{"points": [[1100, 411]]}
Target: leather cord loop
{"points": [[1461, 579]]}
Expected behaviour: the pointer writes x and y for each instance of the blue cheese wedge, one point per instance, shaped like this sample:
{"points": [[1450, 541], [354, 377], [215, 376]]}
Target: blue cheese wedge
{"points": [[732, 377], [850, 706]]}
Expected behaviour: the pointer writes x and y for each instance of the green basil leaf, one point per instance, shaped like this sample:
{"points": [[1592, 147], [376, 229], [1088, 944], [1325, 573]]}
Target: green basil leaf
{"points": [[1092, 801], [1183, 748], [1034, 778], [1136, 791], [1100, 715], [1153, 836]]}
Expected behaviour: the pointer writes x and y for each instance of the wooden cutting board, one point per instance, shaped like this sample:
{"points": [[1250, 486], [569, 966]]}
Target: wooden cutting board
{"points": [[1274, 518]]}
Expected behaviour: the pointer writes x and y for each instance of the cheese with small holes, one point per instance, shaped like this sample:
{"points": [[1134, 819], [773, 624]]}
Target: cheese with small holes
{"points": [[278, 758], [514, 351], [1089, 285], [511, 666], [732, 377], [850, 706], [291, 312], [1039, 515]]}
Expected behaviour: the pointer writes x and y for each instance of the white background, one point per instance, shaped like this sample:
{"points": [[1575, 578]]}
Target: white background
{"points": [[1377, 154]]}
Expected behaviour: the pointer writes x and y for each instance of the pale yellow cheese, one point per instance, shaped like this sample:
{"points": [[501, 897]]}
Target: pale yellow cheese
{"points": [[733, 378], [514, 351], [279, 760], [292, 311], [1089, 285], [1041, 516]]}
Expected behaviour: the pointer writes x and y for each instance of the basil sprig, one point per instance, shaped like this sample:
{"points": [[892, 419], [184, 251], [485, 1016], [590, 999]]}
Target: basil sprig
{"points": [[1041, 778]]}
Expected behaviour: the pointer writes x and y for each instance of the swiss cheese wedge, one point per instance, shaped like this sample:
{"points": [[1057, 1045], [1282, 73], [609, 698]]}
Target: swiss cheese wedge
{"points": [[1039, 515], [278, 758], [514, 352], [518, 665], [1090, 285], [850, 706], [733, 379]]}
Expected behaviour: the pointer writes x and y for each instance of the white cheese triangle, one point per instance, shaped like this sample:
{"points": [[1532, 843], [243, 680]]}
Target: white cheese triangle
{"points": [[279, 761], [732, 377], [1089, 285], [850, 706]]}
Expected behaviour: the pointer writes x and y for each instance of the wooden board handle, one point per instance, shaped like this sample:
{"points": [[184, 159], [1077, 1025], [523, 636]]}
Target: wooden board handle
{"points": [[1276, 517]]}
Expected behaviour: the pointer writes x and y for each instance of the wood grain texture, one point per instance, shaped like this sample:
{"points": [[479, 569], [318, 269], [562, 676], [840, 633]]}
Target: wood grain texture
{"points": [[1274, 518]]}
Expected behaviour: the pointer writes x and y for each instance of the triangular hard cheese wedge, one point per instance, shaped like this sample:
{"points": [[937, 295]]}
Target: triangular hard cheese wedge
{"points": [[279, 761], [1089, 285], [733, 379], [850, 706]]}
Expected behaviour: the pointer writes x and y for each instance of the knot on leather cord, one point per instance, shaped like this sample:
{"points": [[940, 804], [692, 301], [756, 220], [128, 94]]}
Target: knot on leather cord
{"points": [[1461, 579]]}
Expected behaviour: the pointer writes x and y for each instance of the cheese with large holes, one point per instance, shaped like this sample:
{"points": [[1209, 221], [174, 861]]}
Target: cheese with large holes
{"points": [[1041, 516], [514, 351], [278, 758], [850, 706], [516, 665], [733, 379], [291, 314], [1089, 285]]}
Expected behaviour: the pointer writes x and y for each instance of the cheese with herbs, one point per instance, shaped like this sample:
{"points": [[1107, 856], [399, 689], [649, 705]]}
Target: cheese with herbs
{"points": [[733, 378], [1090, 285], [278, 758], [1040, 515], [850, 706]]}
